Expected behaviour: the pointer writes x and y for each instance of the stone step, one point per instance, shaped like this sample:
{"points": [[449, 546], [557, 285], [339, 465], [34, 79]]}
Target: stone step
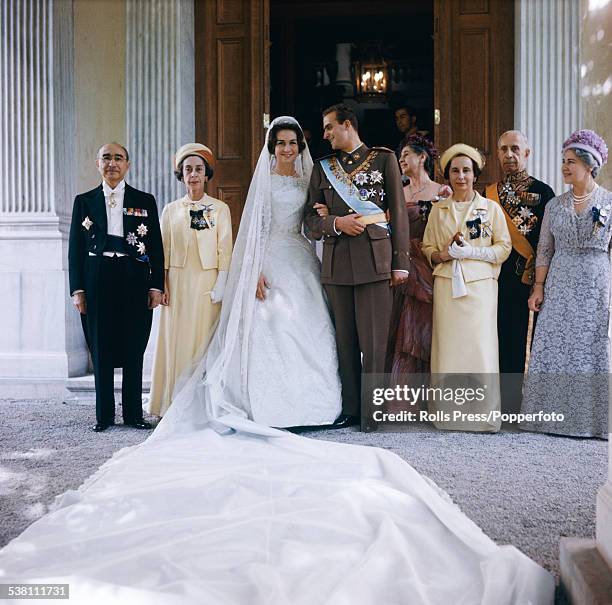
{"points": [[82, 389]]}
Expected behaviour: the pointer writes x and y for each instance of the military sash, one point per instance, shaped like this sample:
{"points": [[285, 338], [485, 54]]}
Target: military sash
{"points": [[349, 192], [519, 242]]}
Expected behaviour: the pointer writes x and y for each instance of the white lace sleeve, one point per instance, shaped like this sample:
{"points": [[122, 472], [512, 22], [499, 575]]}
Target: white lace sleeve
{"points": [[546, 243]]}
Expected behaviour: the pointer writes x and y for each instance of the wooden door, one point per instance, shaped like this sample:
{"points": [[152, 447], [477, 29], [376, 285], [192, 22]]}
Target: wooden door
{"points": [[474, 79], [232, 91]]}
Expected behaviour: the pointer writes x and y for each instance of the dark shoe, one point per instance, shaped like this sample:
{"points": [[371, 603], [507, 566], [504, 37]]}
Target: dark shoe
{"points": [[139, 424], [344, 420], [101, 426]]}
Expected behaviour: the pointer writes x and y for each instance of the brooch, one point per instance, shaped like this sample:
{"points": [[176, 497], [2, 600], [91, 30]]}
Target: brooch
{"points": [[600, 216], [87, 223], [424, 209], [203, 218], [474, 228], [482, 214]]}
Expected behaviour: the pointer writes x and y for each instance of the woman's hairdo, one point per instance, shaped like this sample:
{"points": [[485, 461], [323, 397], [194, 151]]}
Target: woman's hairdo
{"points": [[273, 136], [588, 159], [477, 171], [420, 144], [208, 171]]}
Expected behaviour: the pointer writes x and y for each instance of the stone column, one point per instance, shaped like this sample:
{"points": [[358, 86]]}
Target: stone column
{"points": [[42, 342], [160, 92], [547, 81], [160, 100]]}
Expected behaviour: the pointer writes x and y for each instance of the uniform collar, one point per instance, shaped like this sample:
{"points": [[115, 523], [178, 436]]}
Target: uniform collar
{"points": [[517, 177], [354, 158]]}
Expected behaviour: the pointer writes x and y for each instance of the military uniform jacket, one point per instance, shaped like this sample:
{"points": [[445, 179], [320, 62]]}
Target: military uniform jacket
{"points": [[524, 198], [373, 254], [141, 232]]}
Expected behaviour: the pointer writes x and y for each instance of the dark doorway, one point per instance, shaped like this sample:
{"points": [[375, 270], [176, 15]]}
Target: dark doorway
{"points": [[316, 45]]}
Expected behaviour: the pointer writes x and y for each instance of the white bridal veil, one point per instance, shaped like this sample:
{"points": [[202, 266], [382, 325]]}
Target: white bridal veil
{"points": [[218, 384]]}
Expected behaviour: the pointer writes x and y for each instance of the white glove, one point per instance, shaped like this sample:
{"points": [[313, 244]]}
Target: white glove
{"points": [[459, 252], [216, 294], [483, 253]]}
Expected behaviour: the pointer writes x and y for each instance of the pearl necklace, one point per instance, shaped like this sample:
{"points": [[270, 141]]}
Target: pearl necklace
{"points": [[581, 199]]}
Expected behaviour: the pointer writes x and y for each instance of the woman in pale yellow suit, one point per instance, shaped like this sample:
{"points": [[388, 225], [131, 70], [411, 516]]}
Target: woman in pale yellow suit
{"points": [[197, 236], [465, 269]]}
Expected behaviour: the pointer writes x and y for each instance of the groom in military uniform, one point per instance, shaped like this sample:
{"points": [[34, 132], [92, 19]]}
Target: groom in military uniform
{"points": [[365, 248], [116, 264]]}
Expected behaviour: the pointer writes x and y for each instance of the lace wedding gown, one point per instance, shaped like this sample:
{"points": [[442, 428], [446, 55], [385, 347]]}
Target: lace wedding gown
{"points": [[293, 368]]}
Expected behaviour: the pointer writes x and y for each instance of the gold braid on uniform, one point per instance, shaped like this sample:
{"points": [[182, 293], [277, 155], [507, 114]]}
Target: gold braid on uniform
{"points": [[347, 177]]}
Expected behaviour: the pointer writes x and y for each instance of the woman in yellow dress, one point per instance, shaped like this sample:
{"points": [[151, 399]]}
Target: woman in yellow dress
{"points": [[466, 241], [197, 237]]}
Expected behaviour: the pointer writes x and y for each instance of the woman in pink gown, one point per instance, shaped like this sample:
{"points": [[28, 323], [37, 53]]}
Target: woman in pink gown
{"points": [[409, 348]]}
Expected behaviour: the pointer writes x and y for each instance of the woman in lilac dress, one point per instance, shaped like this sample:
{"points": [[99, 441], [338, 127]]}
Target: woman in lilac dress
{"points": [[570, 360]]}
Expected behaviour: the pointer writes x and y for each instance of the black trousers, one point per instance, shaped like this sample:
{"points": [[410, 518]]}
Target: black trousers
{"points": [[361, 316], [117, 327]]}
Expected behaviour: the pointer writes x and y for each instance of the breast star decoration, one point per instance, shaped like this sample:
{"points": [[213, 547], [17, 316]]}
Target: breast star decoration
{"points": [[87, 223], [376, 177], [361, 178], [141, 248], [131, 239]]}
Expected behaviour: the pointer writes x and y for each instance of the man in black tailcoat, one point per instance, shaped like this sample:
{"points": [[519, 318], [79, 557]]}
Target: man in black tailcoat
{"points": [[116, 265]]}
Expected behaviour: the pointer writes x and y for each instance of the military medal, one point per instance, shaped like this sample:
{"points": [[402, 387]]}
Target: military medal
{"points": [[364, 195]]}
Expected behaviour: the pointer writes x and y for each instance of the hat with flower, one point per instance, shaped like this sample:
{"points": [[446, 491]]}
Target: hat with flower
{"points": [[590, 141]]}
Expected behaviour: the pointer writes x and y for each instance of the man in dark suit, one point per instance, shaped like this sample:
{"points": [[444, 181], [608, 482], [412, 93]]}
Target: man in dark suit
{"points": [[116, 264], [365, 248]]}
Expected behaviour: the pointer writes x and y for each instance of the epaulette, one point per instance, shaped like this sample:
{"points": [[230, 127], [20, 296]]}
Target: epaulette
{"points": [[329, 155], [382, 149]]}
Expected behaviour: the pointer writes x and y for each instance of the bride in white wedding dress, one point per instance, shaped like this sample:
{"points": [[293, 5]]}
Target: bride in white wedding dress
{"points": [[216, 509]]}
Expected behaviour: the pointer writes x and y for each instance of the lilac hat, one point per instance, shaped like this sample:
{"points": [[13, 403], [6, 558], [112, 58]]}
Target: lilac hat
{"points": [[590, 141]]}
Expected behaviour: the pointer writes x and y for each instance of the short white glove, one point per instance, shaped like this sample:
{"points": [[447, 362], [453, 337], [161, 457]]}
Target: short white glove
{"points": [[216, 294], [483, 253]]}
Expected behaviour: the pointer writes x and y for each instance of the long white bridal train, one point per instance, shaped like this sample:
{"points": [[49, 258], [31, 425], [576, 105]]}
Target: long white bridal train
{"points": [[261, 516]]}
